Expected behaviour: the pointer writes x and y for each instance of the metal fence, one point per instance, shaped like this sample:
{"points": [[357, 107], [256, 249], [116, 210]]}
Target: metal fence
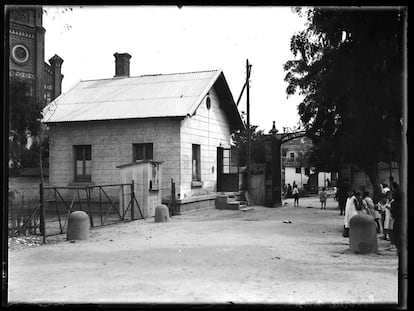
{"points": [[23, 218], [104, 204]]}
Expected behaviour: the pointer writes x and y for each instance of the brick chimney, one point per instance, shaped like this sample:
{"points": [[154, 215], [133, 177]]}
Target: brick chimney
{"points": [[122, 64], [56, 64]]}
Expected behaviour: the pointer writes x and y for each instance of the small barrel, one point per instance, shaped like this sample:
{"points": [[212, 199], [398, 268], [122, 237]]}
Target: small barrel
{"points": [[78, 226], [162, 213], [363, 234]]}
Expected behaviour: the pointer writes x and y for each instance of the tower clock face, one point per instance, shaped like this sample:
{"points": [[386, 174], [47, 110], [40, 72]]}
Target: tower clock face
{"points": [[20, 54]]}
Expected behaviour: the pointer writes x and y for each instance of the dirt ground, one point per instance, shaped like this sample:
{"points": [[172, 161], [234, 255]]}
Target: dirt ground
{"points": [[209, 256]]}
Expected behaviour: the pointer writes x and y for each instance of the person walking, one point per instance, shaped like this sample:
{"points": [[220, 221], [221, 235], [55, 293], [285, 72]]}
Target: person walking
{"points": [[323, 196], [289, 191], [342, 197], [295, 193], [350, 211]]}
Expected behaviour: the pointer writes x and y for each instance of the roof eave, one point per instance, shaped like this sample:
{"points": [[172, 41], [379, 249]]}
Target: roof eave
{"points": [[105, 120]]}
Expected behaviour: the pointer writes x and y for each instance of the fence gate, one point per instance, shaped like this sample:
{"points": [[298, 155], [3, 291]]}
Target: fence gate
{"points": [[227, 169]]}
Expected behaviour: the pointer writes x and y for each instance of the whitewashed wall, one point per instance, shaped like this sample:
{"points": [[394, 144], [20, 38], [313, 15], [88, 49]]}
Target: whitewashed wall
{"points": [[209, 129], [291, 175]]}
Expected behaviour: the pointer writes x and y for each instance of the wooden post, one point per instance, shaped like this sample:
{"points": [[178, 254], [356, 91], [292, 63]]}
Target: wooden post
{"points": [[248, 124], [170, 202], [100, 205], [42, 213], [21, 216], [132, 199], [88, 199], [174, 205], [57, 211], [122, 202]]}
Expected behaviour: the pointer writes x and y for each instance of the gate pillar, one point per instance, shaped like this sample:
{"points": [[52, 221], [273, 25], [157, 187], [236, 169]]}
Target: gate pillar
{"points": [[273, 175]]}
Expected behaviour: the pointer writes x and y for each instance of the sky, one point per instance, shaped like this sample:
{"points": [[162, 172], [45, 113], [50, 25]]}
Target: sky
{"points": [[168, 39]]}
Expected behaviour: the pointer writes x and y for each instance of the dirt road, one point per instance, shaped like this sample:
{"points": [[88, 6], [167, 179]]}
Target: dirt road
{"points": [[212, 256]]}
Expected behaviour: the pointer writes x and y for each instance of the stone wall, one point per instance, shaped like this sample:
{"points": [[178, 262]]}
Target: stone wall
{"points": [[111, 145], [360, 180]]}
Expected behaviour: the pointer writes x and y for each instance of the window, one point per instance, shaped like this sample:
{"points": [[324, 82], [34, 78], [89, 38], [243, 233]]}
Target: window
{"points": [[298, 170], [142, 152], [292, 155], [307, 171], [196, 163], [20, 54], [83, 163], [230, 161]]}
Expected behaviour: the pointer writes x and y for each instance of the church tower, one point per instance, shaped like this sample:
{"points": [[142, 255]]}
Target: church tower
{"points": [[27, 54]]}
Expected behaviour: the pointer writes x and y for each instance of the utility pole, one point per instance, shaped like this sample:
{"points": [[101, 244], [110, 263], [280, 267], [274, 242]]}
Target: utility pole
{"points": [[248, 123]]}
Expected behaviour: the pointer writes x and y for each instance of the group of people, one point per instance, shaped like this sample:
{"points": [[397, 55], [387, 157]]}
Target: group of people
{"points": [[386, 212], [294, 192]]}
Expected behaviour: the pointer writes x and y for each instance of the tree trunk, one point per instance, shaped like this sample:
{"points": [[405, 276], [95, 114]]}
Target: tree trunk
{"points": [[372, 172]]}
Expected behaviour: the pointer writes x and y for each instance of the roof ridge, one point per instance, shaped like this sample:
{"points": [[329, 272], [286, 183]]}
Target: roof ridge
{"points": [[176, 73], [152, 75]]}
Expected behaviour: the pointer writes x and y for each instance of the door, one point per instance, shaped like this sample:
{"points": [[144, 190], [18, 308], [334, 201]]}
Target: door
{"points": [[227, 170]]}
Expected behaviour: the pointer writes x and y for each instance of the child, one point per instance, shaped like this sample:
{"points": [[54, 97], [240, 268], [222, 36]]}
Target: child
{"points": [[295, 193], [322, 197], [372, 211], [385, 208]]}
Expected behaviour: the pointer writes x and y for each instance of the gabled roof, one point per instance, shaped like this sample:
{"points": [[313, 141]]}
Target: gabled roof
{"points": [[147, 96]]}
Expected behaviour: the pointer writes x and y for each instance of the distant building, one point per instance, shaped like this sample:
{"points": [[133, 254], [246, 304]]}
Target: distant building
{"points": [[296, 168], [181, 119]]}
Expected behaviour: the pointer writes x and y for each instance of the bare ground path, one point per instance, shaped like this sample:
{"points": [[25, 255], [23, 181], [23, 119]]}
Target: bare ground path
{"points": [[213, 256]]}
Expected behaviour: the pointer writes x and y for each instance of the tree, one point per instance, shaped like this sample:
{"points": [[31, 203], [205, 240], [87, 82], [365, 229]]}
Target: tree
{"points": [[324, 158], [257, 146], [24, 124], [348, 66]]}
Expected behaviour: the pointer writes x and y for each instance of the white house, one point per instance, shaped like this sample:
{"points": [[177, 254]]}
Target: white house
{"points": [[180, 119]]}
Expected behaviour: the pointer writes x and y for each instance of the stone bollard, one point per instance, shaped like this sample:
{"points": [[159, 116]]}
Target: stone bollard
{"points": [[162, 213], [363, 234], [78, 226]]}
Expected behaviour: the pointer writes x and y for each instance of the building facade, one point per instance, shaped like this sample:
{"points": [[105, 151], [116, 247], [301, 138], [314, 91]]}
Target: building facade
{"points": [[177, 119]]}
